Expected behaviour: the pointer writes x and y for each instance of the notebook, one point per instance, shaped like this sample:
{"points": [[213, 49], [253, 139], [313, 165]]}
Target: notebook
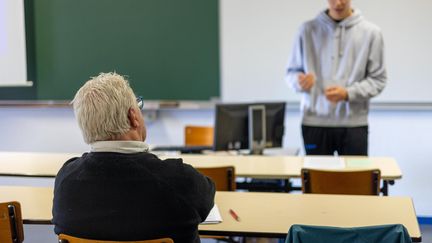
{"points": [[214, 216]]}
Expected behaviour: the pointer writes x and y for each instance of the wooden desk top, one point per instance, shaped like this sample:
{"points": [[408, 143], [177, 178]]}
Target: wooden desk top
{"points": [[272, 214], [262, 214], [36, 202], [254, 166], [32, 164]]}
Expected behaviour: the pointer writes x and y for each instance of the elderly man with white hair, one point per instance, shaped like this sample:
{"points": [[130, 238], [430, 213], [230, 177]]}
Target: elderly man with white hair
{"points": [[118, 190]]}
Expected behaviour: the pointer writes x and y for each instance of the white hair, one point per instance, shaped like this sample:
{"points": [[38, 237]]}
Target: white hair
{"points": [[101, 107]]}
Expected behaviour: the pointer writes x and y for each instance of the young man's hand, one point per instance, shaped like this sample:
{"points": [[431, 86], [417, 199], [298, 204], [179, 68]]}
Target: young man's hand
{"points": [[336, 93], [306, 81]]}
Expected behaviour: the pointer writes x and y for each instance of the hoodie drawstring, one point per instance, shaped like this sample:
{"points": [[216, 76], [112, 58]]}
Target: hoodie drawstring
{"points": [[342, 40]]}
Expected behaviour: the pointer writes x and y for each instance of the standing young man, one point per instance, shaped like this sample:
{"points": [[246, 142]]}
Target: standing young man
{"points": [[337, 63]]}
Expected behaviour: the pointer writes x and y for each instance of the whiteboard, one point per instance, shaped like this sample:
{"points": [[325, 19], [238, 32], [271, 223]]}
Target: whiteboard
{"points": [[256, 37], [13, 61]]}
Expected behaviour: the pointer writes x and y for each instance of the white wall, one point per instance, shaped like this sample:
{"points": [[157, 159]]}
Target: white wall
{"points": [[256, 38], [404, 135]]}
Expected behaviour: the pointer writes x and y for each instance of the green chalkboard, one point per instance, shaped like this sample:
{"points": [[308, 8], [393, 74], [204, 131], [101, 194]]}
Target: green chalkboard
{"points": [[169, 49]]}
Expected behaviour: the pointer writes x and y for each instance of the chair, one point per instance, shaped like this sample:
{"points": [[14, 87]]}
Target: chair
{"points": [[223, 177], [198, 136], [63, 238], [355, 182], [11, 225], [392, 233]]}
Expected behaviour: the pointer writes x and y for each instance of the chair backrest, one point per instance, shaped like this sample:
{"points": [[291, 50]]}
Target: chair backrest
{"points": [[356, 182], [70, 239], [198, 136], [391, 233], [11, 225], [223, 177]]}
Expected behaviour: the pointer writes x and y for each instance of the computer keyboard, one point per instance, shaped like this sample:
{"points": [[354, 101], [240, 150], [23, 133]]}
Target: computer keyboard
{"points": [[183, 149]]}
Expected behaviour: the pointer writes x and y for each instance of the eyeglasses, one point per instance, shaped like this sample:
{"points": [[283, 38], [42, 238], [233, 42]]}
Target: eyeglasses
{"points": [[140, 102]]}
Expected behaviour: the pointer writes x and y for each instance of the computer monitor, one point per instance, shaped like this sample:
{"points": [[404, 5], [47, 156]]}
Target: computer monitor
{"points": [[232, 125], [257, 128]]}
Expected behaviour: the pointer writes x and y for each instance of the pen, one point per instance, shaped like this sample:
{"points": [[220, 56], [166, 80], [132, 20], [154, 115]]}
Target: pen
{"points": [[234, 215]]}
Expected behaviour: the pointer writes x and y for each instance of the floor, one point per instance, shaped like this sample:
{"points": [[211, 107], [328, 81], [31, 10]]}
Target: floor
{"points": [[45, 234], [426, 231]]}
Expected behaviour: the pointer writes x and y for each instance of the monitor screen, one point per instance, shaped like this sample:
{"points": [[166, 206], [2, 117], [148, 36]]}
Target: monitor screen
{"points": [[232, 129]]}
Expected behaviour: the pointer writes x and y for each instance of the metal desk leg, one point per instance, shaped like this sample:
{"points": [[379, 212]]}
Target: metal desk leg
{"points": [[386, 183], [287, 185]]}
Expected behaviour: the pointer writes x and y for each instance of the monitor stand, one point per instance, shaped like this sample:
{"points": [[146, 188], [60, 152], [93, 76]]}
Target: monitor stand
{"points": [[257, 129]]}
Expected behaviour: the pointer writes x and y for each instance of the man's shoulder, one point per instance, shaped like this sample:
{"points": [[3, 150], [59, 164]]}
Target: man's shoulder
{"points": [[309, 24], [178, 165], [368, 26], [70, 167], [312, 26], [73, 162]]}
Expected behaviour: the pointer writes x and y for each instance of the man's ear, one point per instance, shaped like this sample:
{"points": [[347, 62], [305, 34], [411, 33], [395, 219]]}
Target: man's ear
{"points": [[133, 118]]}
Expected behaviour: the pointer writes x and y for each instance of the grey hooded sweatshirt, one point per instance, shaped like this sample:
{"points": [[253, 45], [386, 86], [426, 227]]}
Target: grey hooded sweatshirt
{"points": [[349, 53]]}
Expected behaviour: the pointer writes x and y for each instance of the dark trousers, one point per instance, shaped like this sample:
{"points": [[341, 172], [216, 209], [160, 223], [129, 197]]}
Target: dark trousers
{"points": [[327, 140]]}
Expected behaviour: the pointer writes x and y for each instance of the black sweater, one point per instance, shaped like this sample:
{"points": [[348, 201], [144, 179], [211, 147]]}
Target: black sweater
{"points": [[114, 196]]}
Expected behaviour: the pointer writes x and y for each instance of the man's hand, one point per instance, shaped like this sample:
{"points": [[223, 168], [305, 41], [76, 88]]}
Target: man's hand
{"points": [[306, 81], [336, 93]]}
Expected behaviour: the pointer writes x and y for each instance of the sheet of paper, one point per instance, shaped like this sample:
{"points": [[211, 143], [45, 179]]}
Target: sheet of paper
{"points": [[323, 162], [358, 163], [214, 216]]}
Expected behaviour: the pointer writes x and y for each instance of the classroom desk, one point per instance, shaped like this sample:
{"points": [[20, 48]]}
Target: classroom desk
{"points": [[257, 217], [251, 166], [286, 167]]}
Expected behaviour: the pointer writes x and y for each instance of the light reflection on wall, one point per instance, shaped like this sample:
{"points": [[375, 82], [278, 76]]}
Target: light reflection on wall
{"points": [[3, 39]]}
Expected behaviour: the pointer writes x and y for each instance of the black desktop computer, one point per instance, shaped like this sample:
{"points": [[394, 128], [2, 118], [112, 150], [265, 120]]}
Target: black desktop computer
{"points": [[252, 126]]}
